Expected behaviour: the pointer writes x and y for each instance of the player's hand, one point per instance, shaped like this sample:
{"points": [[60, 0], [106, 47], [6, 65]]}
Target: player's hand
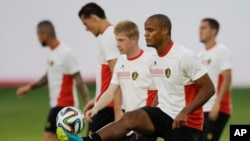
{"points": [[21, 91], [90, 114], [213, 114], [89, 106], [180, 120], [137, 134]]}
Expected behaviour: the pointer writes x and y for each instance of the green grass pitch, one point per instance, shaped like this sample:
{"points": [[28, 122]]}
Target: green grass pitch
{"points": [[24, 119]]}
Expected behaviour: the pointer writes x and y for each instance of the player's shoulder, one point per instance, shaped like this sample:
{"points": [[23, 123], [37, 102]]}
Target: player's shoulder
{"points": [[65, 49], [109, 31], [182, 51], [121, 58], [221, 47], [149, 55], [185, 55]]}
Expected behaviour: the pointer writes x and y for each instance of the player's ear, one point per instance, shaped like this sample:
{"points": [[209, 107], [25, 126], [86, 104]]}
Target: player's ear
{"points": [[134, 39], [214, 31], [165, 31], [94, 17]]}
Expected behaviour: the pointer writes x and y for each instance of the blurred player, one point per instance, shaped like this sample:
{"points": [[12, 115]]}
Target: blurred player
{"points": [[62, 77], [217, 59], [94, 19], [183, 87], [131, 74]]}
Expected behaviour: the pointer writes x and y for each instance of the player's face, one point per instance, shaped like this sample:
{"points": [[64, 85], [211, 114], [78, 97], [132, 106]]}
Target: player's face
{"points": [[206, 32], [42, 36], [124, 43], [91, 25], [153, 32]]}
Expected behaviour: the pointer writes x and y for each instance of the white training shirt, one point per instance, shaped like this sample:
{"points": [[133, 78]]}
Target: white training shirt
{"points": [[134, 78], [217, 59], [174, 73], [107, 50], [61, 65]]}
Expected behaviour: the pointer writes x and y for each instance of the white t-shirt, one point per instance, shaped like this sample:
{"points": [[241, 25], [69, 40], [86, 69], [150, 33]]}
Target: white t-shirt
{"points": [[174, 73], [62, 64], [107, 50], [134, 78], [217, 59]]}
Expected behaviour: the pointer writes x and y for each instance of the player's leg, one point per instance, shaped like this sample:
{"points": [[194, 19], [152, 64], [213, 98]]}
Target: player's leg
{"points": [[183, 134], [103, 117], [137, 120], [142, 137], [50, 127], [203, 134], [216, 127], [148, 120], [49, 136]]}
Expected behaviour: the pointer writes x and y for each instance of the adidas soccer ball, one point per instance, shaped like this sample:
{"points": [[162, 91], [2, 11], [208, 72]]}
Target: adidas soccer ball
{"points": [[70, 119]]}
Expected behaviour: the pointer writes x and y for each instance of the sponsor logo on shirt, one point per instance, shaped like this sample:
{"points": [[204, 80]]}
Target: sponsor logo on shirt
{"points": [[156, 72], [123, 74]]}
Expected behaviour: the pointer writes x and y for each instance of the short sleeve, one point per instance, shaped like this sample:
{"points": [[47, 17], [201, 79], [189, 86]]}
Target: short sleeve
{"points": [[108, 46], [192, 67], [71, 62], [225, 59]]}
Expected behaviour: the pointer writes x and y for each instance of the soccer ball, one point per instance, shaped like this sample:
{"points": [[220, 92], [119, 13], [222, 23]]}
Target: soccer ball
{"points": [[70, 119]]}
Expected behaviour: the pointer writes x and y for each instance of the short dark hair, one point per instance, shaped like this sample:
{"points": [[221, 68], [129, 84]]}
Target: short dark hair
{"points": [[92, 8], [214, 24], [164, 21], [47, 26]]}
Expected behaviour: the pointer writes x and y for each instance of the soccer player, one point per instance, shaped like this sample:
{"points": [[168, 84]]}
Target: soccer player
{"points": [[131, 74], [62, 77], [183, 87], [94, 19], [217, 59]]}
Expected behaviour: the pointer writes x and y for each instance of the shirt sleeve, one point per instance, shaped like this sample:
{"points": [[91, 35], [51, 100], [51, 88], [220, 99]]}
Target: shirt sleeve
{"points": [[225, 61], [108, 46], [71, 62], [192, 67]]}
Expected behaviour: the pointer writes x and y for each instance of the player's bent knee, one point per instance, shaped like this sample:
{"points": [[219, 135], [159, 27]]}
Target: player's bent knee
{"points": [[131, 119]]}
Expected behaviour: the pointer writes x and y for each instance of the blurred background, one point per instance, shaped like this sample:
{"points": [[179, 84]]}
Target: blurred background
{"points": [[23, 60]]}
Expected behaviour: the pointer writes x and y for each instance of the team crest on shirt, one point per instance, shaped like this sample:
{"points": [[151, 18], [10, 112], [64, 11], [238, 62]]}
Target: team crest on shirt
{"points": [[135, 75], [51, 63], [208, 61], [167, 72]]}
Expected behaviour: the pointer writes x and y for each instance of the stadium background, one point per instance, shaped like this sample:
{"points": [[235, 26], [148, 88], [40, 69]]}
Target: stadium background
{"points": [[22, 59]]}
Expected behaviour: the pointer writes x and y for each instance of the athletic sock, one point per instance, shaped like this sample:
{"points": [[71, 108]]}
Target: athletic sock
{"points": [[93, 137]]}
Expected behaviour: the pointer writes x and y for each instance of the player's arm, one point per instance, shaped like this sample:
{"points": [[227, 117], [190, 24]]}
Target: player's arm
{"points": [[118, 97], [206, 90], [193, 69], [82, 87], [104, 100], [27, 88], [225, 86], [90, 104]]}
